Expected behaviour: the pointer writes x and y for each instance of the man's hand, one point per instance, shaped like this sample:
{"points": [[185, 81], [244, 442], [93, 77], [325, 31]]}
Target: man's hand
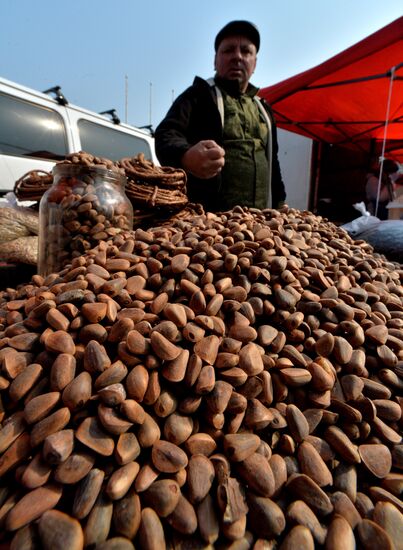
{"points": [[204, 160]]}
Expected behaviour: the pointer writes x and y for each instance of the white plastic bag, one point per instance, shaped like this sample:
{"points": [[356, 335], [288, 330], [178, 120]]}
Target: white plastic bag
{"points": [[364, 222]]}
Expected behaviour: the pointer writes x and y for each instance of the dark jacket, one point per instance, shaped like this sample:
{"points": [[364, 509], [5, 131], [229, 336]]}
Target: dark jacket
{"points": [[193, 117]]}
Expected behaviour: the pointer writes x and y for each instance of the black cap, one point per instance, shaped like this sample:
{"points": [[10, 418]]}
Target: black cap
{"points": [[244, 28]]}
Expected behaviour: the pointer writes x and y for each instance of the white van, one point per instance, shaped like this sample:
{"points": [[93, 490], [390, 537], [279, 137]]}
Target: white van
{"points": [[39, 128]]}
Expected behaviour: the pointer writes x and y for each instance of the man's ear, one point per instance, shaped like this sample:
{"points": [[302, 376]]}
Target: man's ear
{"points": [[215, 59]]}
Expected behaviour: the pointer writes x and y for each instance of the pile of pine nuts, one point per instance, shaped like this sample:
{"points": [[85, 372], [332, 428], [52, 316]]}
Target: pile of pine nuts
{"points": [[232, 381]]}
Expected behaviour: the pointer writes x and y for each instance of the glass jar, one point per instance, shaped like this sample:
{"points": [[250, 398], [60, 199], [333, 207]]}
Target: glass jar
{"points": [[84, 205]]}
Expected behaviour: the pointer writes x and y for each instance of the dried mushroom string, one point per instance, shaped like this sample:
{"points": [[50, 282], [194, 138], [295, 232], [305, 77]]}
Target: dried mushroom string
{"points": [[141, 170], [32, 185]]}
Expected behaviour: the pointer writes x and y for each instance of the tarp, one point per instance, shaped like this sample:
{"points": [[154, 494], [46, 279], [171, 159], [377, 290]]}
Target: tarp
{"points": [[351, 96]]}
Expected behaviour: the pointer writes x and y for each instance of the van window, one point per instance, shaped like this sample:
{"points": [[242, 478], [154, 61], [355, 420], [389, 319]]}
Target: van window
{"points": [[109, 143], [30, 130]]}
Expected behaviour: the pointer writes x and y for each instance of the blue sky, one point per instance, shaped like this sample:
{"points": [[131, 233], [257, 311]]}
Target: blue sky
{"points": [[137, 56]]}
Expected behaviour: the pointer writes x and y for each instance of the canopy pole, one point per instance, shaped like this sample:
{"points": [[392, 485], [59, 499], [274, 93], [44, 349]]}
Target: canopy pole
{"points": [[385, 133]]}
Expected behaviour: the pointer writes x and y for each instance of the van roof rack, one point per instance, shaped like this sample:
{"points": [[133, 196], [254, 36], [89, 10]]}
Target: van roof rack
{"points": [[60, 98], [113, 114], [148, 127]]}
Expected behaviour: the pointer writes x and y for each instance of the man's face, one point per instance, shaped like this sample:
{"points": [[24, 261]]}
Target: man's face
{"points": [[236, 59]]}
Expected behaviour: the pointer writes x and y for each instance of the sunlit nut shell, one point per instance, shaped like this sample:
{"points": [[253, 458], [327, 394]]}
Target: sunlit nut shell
{"points": [[78, 392], [112, 395], [146, 476], [163, 348], [257, 415], [137, 382], [344, 506], [32, 505], [300, 513], [57, 320], [74, 468], [57, 447], [267, 518], [90, 434], [255, 470], [167, 329], [380, 494], [137, 343], [127, 516], [151, 532], [207, 348], [162, 496], [200, 443], [313, 465], [388, 410], [112, 375], [168, 457], [12, 429], [324, 345], [18, 451], [36, 473], [24, 381], [39, 407], [148, 432], [175, 370], [304, 488], [111, 421], [62, 371], [127, 448], [49, 425], [243, 334], [183, 519], [298, 537], [295, 377], [377, 458], [234, 376], [342, 350], [178, 428], [340, 534], [166, 404], [205, 381], [352, 386], [96, 359], [372, 535], [390, 519], [226, 360], [133, 411], [385, 432], [60, 342], [297, 423], [27, 341], [176, 313], [121, 480], [59, 530], [250, 359], [98, 523], [238, 447], [377, 334], [217, 400], [339, 441]]}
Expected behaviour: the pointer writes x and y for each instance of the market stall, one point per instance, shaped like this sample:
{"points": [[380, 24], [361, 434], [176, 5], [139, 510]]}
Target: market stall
{"points": [[350, 105]]}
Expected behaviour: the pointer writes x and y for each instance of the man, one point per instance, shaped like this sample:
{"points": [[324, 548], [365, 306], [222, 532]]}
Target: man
{"points": [[222, 134], [378, 199]]}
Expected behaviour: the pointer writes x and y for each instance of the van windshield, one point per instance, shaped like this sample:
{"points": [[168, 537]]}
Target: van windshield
{"points": [[109, 143]]}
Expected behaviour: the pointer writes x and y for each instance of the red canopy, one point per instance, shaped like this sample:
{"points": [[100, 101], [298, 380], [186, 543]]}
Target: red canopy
{"points": [[350, 97]]}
